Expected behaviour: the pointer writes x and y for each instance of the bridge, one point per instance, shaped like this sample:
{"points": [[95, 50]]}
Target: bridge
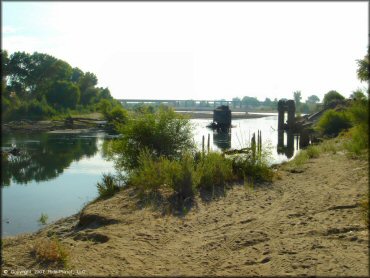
{"points": [[183, 103]]}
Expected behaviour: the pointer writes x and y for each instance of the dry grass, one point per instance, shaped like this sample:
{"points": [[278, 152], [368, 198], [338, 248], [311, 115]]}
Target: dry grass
{"points": [[50, 251]]}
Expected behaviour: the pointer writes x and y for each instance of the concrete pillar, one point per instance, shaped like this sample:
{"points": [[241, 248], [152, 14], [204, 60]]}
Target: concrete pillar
{"points": [[291, 114], [290, 145], [281, 111]]}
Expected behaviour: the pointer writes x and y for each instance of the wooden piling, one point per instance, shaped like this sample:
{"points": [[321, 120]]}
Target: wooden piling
{"points": [[203, 144], [208, 142]]}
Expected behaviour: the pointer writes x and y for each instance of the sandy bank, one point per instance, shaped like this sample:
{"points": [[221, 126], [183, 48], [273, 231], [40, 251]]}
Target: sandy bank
{"points": [[306, 223]]}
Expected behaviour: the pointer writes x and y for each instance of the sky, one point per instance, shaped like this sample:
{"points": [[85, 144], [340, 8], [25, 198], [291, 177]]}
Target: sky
{"points": [[200, 51]]}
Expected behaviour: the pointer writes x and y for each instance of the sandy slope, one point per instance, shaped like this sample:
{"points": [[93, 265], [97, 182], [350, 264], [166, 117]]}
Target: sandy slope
{"points": [[304, 223]]}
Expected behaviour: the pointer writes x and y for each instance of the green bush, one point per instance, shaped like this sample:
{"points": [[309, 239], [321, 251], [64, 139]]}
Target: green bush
{"points": [[332, 122], [108, 187], [182, 176], [359, 140], [247, 168], [153, 173], [213, 170], [162, 133]]}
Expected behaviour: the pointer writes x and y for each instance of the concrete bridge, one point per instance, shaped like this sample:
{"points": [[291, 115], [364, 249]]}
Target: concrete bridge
{"points": [[183, 103]]}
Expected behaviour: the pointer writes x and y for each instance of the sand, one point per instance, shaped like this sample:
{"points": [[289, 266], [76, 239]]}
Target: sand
{"points": [[307, 222]]}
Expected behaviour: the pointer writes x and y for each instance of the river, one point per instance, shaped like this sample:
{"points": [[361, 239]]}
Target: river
{"points": [[57, 173]]}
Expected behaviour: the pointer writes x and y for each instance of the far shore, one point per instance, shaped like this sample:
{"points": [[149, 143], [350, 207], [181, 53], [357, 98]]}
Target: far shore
{"points": [[27, 126]]}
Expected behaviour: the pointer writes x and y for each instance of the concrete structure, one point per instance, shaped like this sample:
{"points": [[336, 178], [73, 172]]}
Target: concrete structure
{"points": [[222, 116], [286, 106]]}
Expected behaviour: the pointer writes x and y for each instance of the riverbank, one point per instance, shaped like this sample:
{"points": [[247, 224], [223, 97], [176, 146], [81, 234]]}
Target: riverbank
{"points": [[308, 221]]}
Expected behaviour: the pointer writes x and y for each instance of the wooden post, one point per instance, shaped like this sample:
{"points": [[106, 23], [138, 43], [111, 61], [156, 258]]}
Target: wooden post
{"points": [[208, 142], [203, 144], [253, 144]]}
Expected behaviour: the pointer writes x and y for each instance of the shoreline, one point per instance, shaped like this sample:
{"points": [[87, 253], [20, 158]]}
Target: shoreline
{"points": [[272, 229], [50, 126]]}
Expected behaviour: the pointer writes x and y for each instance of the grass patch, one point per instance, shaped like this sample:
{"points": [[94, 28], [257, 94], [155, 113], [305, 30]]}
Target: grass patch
{"points": [[365, 209], [214, 170], [313, 151], [301, 158], [51, 251]]}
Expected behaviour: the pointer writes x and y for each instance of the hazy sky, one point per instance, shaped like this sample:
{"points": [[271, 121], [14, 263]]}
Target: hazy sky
{"points": [[206, 50]]}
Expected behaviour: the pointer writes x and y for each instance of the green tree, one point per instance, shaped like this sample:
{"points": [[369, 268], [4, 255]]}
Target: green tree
{"points": [[363, 68], [358, 95], [267, 102], [76, 75], [250, 101], [297, 97], [89, 96], [63, 94], [313, 99], [236, 101], [87, 80], [332, 96]]}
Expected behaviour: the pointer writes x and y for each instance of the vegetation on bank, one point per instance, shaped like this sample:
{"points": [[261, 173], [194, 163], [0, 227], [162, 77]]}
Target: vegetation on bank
{"points": [[156, 150], [51, 251], [39, 86]]}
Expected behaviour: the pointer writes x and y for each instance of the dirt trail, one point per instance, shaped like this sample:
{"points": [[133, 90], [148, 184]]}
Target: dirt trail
{"points": [[308, 223]]}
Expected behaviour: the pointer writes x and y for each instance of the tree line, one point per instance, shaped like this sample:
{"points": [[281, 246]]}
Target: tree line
{"points": [[39, 86]]}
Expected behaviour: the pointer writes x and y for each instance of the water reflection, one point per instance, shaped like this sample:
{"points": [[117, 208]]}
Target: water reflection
{"points": [[222, 139], [43, 156], [288, 149]]}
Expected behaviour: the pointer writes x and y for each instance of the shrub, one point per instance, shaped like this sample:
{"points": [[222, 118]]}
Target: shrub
{"points": [[332, 122], [152, 173], [162, 133], [359, 140], [182, 176], [249, 169], [51, 250], [213, 170], [108, 187]]}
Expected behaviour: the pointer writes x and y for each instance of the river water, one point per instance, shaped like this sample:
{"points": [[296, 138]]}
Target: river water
{"points": [[57, 173]]}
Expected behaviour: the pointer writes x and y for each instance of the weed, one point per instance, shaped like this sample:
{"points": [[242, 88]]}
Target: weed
{"points": [[244, 166], [330, 146], [43, 219], [248, 184], [313, 151], [358, 141], [300, 159], [213, 170], [51, 250], [108, 187]]}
